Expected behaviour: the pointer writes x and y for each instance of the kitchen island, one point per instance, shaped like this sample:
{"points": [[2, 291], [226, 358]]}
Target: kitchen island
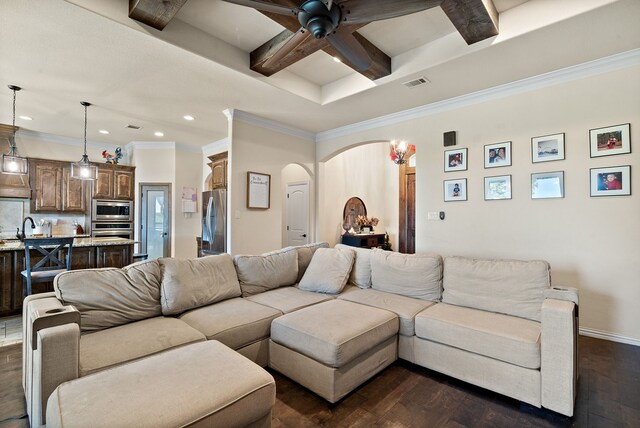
{"points": [[87, 253]]}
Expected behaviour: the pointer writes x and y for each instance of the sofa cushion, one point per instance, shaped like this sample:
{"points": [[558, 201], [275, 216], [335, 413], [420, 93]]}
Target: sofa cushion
{"points": [[411, 275], [235, 322], [110, 297], [406, 308], [361, 272], [334, 332], [113, 346], [191, 283], [305, 253], [267, 271], [289, 299], [511, 287], [328, 271], [503, 337]]}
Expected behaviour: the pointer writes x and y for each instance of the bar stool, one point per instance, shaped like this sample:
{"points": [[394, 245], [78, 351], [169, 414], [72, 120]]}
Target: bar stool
{"points": [[51, 265]]}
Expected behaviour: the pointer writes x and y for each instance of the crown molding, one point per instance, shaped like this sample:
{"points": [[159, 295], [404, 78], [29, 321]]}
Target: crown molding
{"points": [[216, 147], [160, 145], [587, 69], [243, 116], [58, 139]]}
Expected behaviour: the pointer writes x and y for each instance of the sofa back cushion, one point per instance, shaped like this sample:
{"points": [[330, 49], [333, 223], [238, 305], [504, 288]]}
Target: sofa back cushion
{"points": [[191, 283], [110, 297], [411, 275], [511, 287], [305, 253], [361, 272], [328, 271], [267, 271]]}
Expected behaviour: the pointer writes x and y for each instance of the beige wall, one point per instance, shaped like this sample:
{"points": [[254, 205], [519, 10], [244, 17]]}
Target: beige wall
{"points": [[186, 226], [259, 149], [591, 243]]}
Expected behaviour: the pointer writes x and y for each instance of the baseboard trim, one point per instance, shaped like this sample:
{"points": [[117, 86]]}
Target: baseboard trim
{"points": [[599, 334]]}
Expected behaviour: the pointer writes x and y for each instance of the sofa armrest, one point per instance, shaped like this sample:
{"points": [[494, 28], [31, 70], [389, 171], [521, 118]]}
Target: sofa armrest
{"points": [[559, 355], [52, 351], [562, 293]]}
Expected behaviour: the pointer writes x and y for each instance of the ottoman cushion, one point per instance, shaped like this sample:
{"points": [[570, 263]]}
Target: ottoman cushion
{"points": [[334, 332], [289, 299], [204, 383]]}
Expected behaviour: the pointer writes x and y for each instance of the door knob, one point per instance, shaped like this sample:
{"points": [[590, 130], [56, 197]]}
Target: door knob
{"points": [[304, 235], [165, 234]]}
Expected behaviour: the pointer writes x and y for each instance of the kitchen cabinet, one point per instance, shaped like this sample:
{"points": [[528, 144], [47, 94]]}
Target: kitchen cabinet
{"points": [[12, 186], [74, 192], [219, 167], [114, 256], [115, 182], [5, 282], [54, 190]]}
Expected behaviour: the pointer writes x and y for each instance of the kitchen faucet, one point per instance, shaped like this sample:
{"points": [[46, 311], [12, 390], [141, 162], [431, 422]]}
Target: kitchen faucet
{"points": [[21, 235]]}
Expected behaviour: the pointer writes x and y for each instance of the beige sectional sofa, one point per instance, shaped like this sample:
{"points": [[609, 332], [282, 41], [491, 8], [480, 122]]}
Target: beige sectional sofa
{"points": [[495, 323]]}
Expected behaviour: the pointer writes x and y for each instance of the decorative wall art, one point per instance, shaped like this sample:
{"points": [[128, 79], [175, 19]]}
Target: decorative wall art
{"points": [[455, 160], [547, 148], [258, 190], [611, 181], [455, 190], [497, 187], [547, 185], [497, 155], [612, 140]]}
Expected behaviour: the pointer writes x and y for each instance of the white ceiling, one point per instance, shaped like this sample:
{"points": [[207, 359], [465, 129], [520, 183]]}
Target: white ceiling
{"points": [[63, 52]]}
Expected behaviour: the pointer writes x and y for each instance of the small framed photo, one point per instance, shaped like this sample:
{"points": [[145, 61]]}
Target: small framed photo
{"points": [[455, 190], [496, 155], [497, 187], [547, 185], [612, 140], [612, 181], [547, 148], [455, 160]]}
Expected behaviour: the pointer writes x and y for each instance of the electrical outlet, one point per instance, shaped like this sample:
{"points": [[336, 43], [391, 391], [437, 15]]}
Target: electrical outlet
{"points": [[432, 215]]}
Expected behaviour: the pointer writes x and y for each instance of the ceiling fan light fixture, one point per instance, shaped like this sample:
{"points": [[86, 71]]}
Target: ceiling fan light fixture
{"points": [[12, 162], [83, 169]]}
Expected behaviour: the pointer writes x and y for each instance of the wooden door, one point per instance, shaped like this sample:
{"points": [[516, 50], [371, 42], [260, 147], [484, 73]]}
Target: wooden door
{"points": [[5, 282], [407, 230], [74, 194], [114, 256], [103, 186], [47, 187], [219, 174], [123, 184]]}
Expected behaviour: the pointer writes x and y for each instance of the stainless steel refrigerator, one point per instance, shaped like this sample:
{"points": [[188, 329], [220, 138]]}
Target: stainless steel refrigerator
{"points": [[214, 221]]}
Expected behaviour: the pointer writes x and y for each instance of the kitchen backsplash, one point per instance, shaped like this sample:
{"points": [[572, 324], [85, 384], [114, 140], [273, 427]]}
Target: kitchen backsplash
{"points": [[13, 211]]}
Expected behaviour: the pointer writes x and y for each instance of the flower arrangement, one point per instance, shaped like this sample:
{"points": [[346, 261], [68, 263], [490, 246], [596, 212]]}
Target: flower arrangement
{"points": [[363, 220]]}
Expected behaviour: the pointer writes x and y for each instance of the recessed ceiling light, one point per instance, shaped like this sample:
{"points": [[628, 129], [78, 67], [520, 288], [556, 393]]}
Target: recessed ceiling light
{"points": [[158, 134], [336, 59], [25, 117], [189, 117], [103, 131]]}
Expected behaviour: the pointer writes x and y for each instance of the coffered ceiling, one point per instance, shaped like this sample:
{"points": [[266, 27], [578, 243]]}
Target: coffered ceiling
{"points": [[64, 52]]}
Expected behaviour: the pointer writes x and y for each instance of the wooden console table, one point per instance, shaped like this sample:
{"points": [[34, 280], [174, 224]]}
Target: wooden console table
{"points": [[364, 240]]}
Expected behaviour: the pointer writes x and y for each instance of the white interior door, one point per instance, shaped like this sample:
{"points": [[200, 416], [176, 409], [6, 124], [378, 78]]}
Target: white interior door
{"points": [[155, 221], [298, 213]]}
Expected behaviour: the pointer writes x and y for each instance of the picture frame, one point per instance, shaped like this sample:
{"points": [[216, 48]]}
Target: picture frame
{"points": [[455, 190], [497, 155], [258, 190], [547, 185], [497, 187], [547, 148], [610, 181], [455, 160], [610, 140]]}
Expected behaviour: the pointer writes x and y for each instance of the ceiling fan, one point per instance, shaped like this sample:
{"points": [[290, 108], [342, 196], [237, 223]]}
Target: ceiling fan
{"points": [[326, 19]]}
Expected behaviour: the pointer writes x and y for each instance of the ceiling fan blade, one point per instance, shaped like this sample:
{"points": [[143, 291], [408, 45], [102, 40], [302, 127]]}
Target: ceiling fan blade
{"points": [[264, 6], [349, 47], [288, 46], [364, 11]]}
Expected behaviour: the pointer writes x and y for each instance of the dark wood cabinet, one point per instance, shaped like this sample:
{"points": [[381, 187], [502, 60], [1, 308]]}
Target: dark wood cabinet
{"points": [[53, 188], [103, 186], [114, 256], [5, 282], [74, 193], [219, 170], [82, 257], [364, 240], [123, 185], [115, 182]]}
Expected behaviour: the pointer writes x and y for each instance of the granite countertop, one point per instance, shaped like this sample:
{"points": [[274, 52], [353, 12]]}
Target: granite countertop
{"points": [[82, 241]]}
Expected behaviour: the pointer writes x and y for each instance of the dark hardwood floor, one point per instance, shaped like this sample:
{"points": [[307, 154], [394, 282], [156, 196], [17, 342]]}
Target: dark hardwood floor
{"points": [[405, 395]]}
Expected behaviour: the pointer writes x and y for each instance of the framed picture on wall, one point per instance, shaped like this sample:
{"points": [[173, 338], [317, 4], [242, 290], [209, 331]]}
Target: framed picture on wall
{"points": [[455, 160], [547, 185], [258, 190], [497, 155], [612, 140], [455, 190], [611, 181], [497, 187], [547, 148]]}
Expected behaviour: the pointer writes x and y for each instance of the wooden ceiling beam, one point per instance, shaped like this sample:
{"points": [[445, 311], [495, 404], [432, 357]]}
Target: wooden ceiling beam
{"points": [[154, 13], [475, 20]]}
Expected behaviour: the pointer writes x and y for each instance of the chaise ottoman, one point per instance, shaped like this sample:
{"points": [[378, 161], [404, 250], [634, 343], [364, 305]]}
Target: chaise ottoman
{"points": [[202, 384], [333, 347]]}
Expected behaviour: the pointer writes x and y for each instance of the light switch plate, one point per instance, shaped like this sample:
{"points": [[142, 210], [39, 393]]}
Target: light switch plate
{"points": [[432, 215]]}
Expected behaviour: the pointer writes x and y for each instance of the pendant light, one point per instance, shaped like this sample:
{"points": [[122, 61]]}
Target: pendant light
{"points": [[12, 162], [83, 170]]}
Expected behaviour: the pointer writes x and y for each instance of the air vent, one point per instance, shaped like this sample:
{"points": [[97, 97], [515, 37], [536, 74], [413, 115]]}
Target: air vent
{"points": [[416, 82], [136, 127]]}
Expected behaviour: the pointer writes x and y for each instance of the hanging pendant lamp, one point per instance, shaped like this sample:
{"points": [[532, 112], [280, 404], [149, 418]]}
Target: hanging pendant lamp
{"points": [[83, 170], [12, 162]]}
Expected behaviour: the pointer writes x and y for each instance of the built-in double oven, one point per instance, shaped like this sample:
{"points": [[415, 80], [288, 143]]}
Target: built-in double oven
{"points": [[112, 219]]}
